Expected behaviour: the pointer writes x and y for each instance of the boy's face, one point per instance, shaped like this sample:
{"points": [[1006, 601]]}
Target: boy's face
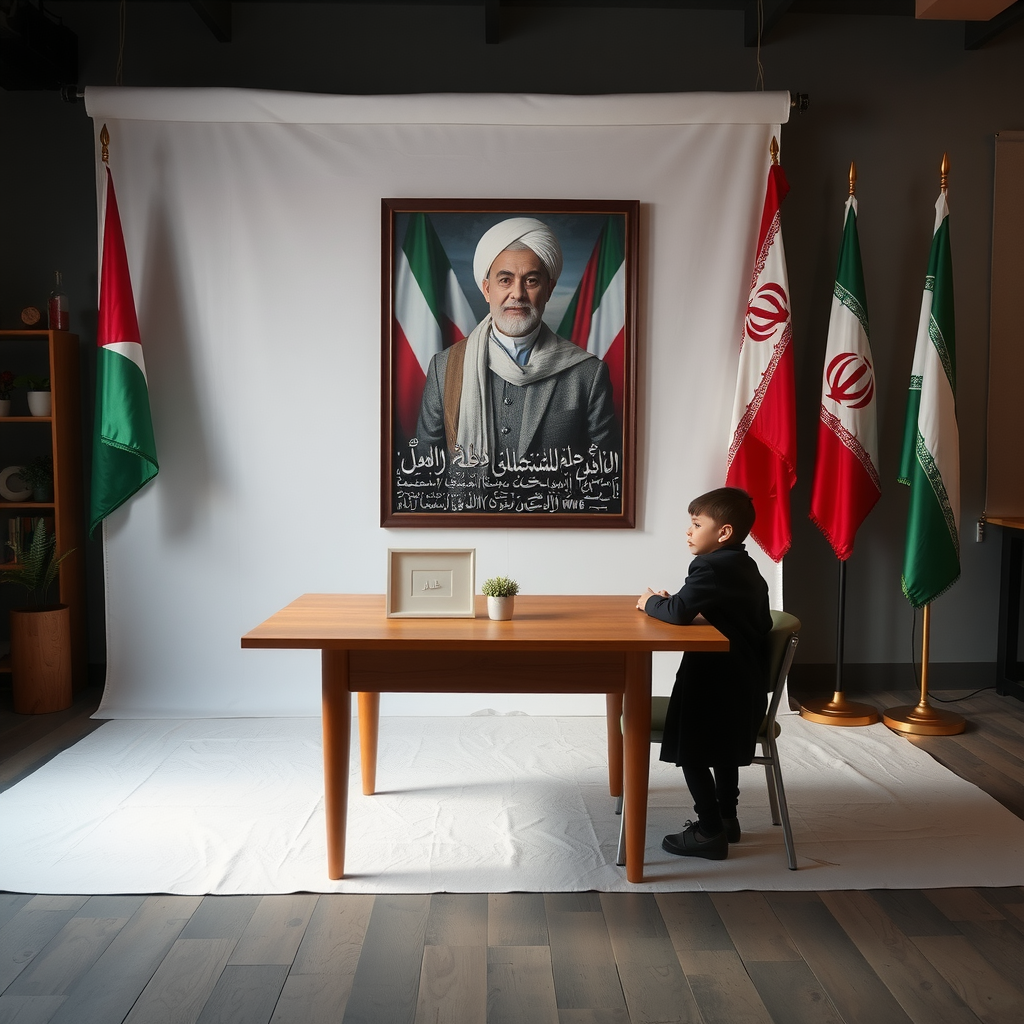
{"points": [[705, 535]]}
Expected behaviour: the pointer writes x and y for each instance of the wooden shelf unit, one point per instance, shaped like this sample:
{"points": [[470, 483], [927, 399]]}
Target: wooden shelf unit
{"points": [[54, 354]]}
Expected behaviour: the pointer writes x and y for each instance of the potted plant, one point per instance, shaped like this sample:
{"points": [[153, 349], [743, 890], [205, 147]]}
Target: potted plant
{"points": [[6, 387], [38, 475], [40, 632], [38, 393], [501, 595]]}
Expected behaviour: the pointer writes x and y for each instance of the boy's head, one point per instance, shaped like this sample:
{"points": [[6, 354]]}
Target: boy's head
{"points": [[721, 517]]}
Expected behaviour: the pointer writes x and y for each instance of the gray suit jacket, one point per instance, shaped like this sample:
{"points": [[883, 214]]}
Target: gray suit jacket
{"points": [[571, 409]]}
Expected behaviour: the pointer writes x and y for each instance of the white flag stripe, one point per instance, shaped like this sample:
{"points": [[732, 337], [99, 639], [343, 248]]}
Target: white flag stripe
{"points": [[414, 316], [610, 316], [458, 309], [846, 334], [130, 350], [757, 356], [936, 418]]}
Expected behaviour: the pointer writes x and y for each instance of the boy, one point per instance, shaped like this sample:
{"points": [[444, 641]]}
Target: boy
{"points": [[718, 700]]}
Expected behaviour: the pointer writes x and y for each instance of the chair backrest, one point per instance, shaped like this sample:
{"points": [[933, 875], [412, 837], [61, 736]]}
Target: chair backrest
{"points": [[782, 641]]}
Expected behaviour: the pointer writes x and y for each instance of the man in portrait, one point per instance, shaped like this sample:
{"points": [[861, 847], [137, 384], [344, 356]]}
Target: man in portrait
{"points": [[514, 392]]}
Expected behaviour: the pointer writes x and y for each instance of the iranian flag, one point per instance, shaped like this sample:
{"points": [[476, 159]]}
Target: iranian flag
{"points": [[596, 316], [124, 451], [762, 455], [846, 482], [930, 463], [431, 313]]}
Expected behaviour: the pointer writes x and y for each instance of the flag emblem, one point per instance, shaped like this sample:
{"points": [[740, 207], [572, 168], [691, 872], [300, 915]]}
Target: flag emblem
{"points": [[767, 312], [850, 380]]}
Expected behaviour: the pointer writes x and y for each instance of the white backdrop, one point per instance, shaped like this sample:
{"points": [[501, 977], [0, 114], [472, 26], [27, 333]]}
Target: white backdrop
{"points": [[252, 223]]}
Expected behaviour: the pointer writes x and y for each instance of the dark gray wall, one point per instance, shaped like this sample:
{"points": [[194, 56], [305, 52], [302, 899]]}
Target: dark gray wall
{"points": [[890, 92]]}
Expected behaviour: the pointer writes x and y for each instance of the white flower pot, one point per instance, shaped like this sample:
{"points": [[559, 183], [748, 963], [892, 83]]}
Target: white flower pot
{"points": [[39, 403], [500, 608]]}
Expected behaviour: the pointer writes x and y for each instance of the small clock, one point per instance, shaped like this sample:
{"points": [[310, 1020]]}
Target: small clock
{"points": [[30, 316]]}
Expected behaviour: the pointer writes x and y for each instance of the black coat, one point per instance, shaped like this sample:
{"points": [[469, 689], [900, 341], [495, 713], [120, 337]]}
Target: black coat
{"points": [[719, 700]]}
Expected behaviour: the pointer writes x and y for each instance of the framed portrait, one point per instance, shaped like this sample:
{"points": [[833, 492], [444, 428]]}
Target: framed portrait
{"points": [[508, 366], [424, 584]]}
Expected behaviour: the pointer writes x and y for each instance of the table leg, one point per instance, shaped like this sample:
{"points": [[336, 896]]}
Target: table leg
{"points": [[613, 715], [369, 727], [636, 710], [337, 725]]}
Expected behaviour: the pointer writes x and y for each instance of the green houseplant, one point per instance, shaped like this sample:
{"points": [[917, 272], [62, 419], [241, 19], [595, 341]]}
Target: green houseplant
{"points": [[38, 474], [40, 632], [501, 594]]}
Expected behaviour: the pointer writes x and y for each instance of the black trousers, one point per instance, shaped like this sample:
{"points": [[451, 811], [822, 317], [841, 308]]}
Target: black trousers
{"points": [[714, 795]]}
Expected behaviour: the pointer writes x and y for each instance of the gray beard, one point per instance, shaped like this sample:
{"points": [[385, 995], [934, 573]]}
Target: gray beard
{"points": [[514, 324]]}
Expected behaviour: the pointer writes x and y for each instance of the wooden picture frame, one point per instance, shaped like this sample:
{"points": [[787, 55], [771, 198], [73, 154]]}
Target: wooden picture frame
{"points": [[431, 583], [575, 418]]}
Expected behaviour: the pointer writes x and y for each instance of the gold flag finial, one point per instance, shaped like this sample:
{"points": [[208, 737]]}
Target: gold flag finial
{"points": [[853, 178], [774, 150], [944, 172], [105, 142]]}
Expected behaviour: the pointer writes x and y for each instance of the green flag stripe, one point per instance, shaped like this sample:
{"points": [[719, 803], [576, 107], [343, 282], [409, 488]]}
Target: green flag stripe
{"points": [[610, 256], [940, 282], [849, 285], [428, 261], [124, 449], [908, 458], [931, 563]]}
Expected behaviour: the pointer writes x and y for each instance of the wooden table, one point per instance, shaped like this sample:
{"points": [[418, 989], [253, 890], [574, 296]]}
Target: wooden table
{"points": [[593, 644]]}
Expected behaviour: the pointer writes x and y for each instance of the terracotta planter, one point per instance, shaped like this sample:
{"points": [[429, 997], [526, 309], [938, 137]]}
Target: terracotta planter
{"points": [[41, 659]]}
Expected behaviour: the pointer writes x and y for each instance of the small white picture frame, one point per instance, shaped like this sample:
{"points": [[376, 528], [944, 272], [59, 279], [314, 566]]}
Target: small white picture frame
{"points": [[431, 583]]}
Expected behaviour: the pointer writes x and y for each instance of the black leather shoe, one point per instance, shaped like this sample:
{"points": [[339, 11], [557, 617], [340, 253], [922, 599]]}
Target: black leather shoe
{"points": [[732, 829], [692, 843]]}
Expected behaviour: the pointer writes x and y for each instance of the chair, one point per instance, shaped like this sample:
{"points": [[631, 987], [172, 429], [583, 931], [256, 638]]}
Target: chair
{"points": [[782, 643]]}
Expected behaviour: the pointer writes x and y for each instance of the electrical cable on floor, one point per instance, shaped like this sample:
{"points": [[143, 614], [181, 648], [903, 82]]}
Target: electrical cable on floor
{"points": [[917, 678]]}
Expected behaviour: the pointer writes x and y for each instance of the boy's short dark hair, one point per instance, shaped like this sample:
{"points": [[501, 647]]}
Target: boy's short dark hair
{"points": [[726, 506]]}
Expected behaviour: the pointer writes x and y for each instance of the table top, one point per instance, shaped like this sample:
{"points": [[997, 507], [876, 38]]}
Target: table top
{"points": [[542, 622], [1010, 522]]}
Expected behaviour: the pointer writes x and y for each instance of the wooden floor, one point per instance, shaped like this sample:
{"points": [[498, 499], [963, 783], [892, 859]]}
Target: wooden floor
{"points": [[946, 956]]}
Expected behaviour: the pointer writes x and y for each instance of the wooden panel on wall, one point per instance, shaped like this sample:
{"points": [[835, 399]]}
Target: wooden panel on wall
{"points": [[1004, 492]]}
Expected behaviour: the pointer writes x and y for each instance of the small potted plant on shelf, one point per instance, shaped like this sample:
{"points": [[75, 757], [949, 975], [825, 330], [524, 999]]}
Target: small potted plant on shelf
{"points": [[6, 387], [501, 596], [38, 393], [38, 475], [40, 632]]}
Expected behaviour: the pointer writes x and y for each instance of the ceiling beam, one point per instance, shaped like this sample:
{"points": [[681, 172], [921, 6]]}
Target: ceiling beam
{"points": [[216, 15], [978, 33], [771, 14]]}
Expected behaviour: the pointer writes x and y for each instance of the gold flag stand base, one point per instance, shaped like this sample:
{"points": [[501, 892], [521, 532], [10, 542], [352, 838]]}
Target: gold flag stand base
{"points": [[924, 720], [921, 719], [838, 711]]}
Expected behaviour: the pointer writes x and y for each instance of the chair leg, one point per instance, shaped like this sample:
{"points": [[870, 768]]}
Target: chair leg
{"points": [[620, 853], [769, 779], [787, 829], [618, 804]]}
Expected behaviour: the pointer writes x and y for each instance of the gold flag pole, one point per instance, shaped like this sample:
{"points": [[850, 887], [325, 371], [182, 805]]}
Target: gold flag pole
{"points": [[921, 719], [105, 143], [839, 710]]}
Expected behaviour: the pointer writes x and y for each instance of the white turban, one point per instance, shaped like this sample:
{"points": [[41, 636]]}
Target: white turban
{"points": [[528, 230]]}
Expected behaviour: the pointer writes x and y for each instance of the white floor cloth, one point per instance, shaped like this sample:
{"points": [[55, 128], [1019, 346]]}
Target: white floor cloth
{"points": [[476, 804]]}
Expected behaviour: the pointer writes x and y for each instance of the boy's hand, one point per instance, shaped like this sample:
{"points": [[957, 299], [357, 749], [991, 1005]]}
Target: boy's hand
{"points": [[641, 601]]}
